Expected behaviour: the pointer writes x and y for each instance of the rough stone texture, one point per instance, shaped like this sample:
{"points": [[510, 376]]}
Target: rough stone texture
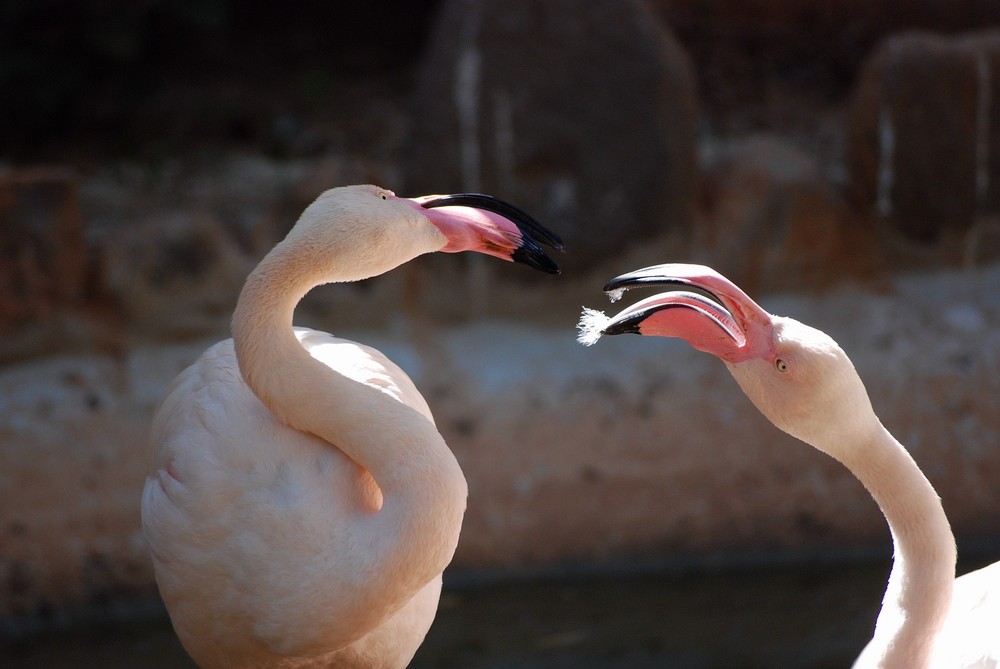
{"points": [[636, 448], [923, 150], [175, 275], [771, 220], [71, 429], [43, 257], [43, 262], [582, 113]]}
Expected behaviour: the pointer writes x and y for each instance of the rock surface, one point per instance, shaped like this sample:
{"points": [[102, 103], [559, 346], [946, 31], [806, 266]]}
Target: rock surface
{"points": [[923, 151], [771, 220], [582, 113], [44, 264], [636, 448]]}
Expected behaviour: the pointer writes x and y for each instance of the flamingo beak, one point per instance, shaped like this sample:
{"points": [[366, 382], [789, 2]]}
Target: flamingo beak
{"points": [[476, 222], [701, 307]]}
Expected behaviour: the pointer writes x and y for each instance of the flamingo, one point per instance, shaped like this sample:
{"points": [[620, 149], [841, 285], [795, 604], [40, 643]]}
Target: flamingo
{"points": [[301, 505], [805, 384]]}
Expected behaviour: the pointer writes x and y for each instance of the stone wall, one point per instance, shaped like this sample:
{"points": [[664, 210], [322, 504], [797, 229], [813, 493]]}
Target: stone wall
{"points": [[868, 213], [634, 449]]}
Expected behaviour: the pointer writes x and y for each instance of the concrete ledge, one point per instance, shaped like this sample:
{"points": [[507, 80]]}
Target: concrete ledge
{"points": [[634, 448]]}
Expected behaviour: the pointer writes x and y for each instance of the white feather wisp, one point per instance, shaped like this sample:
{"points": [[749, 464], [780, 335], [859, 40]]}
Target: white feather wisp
{"points": [[591, 326]]}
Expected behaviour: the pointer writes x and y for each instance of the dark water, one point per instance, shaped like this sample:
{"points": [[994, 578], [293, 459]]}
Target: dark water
{"points": [[814, 617], [801, 618], [748, 618]]}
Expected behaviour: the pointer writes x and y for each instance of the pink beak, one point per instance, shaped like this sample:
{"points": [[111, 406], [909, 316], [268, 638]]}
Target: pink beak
{"points": [[704, 308], [482, 223]]}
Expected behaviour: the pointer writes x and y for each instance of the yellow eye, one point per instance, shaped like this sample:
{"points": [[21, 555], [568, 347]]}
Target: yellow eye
{"points": [[781, 365], [384, 195]]}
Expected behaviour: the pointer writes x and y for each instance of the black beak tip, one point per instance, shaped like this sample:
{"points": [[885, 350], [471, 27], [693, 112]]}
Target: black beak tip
{"points": [[535, 257], [624, 326]]}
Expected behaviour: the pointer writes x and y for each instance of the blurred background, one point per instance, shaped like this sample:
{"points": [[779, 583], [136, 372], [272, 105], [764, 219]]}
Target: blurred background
{"points": [[628, 507]]}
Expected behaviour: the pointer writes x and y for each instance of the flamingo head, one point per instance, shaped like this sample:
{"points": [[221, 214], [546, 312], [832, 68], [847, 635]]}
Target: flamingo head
{"points": [[382, 230], [796, 375]]}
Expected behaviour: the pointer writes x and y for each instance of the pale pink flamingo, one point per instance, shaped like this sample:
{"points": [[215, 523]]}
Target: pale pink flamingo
{"points": [[301, 505], [805, 384]]}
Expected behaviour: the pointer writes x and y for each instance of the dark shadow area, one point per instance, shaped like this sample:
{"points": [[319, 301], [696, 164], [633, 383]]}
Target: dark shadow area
{"points": [[111, 78]]}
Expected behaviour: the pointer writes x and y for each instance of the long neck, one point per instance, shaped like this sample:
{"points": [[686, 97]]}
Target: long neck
{"points": [[416, 531], [920, 583]]}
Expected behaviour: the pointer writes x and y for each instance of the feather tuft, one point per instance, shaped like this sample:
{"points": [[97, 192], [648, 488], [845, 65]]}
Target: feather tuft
{"points": [[591, 326]]}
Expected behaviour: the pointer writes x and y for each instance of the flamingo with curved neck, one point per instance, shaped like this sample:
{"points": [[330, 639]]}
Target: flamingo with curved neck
{"points": [[301, 505], [805, 384]]}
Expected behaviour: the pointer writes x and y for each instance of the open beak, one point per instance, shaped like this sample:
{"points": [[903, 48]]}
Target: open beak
{"points": [[702, 307], [476, 222]]}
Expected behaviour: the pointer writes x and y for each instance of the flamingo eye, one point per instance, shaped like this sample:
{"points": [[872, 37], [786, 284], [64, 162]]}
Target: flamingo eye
{"points": [[781, 365], [383, 195]]}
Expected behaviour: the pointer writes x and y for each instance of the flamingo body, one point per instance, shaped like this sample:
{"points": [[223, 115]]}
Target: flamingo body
{"points": [[970, 635], [301, 505], [284, 480]]}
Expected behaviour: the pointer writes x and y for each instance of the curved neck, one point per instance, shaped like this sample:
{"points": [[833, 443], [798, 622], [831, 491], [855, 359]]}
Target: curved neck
{"points": [[920, 584], [415, 533]]}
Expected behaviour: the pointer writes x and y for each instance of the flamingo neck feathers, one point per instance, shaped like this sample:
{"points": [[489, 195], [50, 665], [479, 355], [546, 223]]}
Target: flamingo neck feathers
{"points": [[415, 533], [919, 591], [833, 413]]}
